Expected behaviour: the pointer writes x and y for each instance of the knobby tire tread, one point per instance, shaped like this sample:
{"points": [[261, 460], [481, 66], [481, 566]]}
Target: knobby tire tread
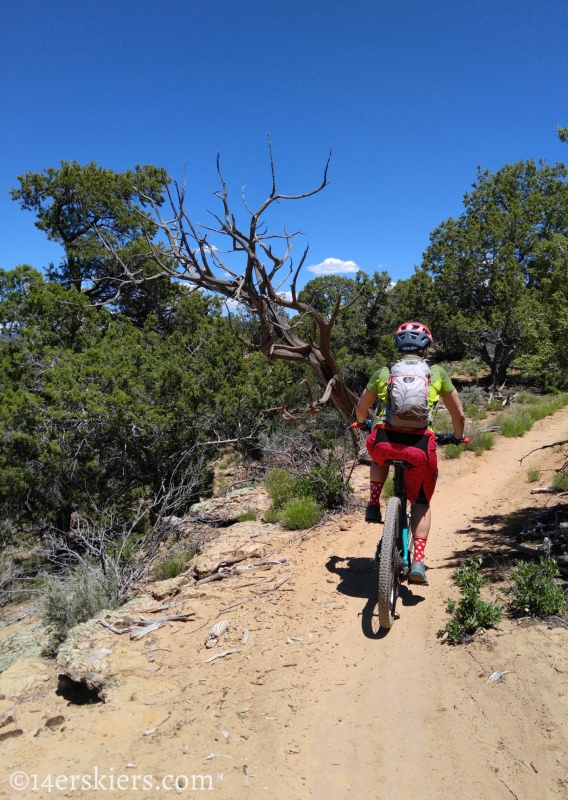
{"points": [[387, 574]]}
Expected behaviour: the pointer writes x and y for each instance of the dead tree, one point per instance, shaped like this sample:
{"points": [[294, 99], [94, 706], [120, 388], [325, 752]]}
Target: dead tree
{"points": [[191, 257]]}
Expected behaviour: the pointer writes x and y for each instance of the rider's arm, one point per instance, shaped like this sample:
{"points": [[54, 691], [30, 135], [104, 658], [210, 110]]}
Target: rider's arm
{"points": [[365, 403], [453, 404]]}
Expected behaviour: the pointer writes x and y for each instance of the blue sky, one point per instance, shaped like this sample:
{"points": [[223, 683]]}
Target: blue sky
{"points": [[411, 96]]}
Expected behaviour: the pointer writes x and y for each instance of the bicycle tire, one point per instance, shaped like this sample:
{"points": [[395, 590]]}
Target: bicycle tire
{"points": [[388, 573]]}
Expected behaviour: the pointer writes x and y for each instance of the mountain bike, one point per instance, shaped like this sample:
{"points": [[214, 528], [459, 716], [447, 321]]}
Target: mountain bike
{"points": [[395, 549]]}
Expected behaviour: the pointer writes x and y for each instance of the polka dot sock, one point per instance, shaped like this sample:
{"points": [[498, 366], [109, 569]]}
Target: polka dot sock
{"points": [[419, 547], [376, 489]]}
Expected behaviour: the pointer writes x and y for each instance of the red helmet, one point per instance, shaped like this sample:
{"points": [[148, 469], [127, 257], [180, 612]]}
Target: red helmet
{"points": [[412, 336]]}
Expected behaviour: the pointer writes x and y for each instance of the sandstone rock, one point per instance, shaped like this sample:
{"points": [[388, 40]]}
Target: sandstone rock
{"points": [[26, 639], [203, 565], [226, 510], [23, 676], [83, 658], [162, 590]]}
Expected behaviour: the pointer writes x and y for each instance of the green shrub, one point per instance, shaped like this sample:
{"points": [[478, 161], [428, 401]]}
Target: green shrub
{"points": [[475, 413], [494, 405], [280, 486], [388, 488], [534, 590], [454, 450], [300, 513], [471, 612], [227, 460], [514, 424], [272, 515], [171, 566], [485, 441], [558, 448], [471, 368], [247, 516], [66, 604], [472, 396], [325, 484], [520, 418], [442, 422], [533, 474], [525, 398], [560, 482]]}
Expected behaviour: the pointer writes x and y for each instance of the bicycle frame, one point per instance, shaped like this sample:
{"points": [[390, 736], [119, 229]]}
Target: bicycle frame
{"points": [[404, 526]]}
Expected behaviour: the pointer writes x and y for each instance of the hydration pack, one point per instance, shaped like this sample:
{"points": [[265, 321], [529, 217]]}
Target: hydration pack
{"points": [[409, 387]]}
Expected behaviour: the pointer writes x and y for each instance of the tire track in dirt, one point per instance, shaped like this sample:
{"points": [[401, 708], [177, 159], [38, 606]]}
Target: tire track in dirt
{"points": [[405, 731]]}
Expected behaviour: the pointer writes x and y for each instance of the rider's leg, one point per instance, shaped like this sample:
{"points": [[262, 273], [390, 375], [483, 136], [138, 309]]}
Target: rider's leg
{"points": [[379, 474], [420, 519], [378, 477]]}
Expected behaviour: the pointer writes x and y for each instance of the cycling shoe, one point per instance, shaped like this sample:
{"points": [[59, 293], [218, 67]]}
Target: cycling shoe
{"points": [[373, 514], [418, 573]]}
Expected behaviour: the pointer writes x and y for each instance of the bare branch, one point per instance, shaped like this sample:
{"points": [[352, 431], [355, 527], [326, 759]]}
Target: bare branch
{"points": [[268, 267], [544, 447], [313, 406]]}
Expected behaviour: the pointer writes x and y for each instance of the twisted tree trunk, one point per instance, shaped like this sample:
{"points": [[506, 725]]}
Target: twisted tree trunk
{"points": [[190, 257]]}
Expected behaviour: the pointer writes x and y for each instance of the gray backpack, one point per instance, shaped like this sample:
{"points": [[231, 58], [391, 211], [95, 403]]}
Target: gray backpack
{"points": [[409, 387]]}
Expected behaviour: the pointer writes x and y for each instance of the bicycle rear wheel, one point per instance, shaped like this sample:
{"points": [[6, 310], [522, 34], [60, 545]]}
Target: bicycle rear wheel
{"points": [[388, 572]]}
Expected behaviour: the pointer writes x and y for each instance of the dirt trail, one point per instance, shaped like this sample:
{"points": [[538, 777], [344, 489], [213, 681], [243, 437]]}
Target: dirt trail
{"points": [[340, 711]]}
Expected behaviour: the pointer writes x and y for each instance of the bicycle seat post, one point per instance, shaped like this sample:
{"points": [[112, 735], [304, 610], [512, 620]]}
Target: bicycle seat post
{"points": [[399, 479]]}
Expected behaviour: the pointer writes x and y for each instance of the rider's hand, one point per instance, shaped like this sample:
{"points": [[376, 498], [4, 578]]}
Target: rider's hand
{"points": [[362, 426], [449, 438]]}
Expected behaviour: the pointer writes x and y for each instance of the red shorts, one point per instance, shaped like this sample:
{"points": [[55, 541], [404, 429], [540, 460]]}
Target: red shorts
{"points": [[418, 448]]}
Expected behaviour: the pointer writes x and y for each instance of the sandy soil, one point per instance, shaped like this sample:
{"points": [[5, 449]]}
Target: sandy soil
{"points": [[318, 703]]}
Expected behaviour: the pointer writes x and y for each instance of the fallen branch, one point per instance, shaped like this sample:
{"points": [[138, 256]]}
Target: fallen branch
{"points": [[228, 562], [235, 605], [146, 625], [543, 490], [169, 618], [153, 730], [13, 621], [251, 583], [543, 447], [112, 628], [231, 572], [529, 551], [216, 577], [198, 629], [221, 655], [138, 634], [279, 583], [216, 631]]}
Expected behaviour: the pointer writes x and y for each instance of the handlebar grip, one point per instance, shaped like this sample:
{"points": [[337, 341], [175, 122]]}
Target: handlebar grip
{"points": [[448, 438], [365, 426]]}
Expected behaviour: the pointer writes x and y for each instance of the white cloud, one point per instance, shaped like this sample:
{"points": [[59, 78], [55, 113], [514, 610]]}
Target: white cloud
{"points": [[333, 266], [286, 296]]}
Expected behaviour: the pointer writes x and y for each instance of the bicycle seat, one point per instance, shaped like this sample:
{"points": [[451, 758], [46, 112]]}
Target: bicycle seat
{"points": [[397, 462]]}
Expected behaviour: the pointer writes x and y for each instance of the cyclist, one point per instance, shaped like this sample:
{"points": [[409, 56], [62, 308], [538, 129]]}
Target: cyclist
{"points": [[400, 434]]}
